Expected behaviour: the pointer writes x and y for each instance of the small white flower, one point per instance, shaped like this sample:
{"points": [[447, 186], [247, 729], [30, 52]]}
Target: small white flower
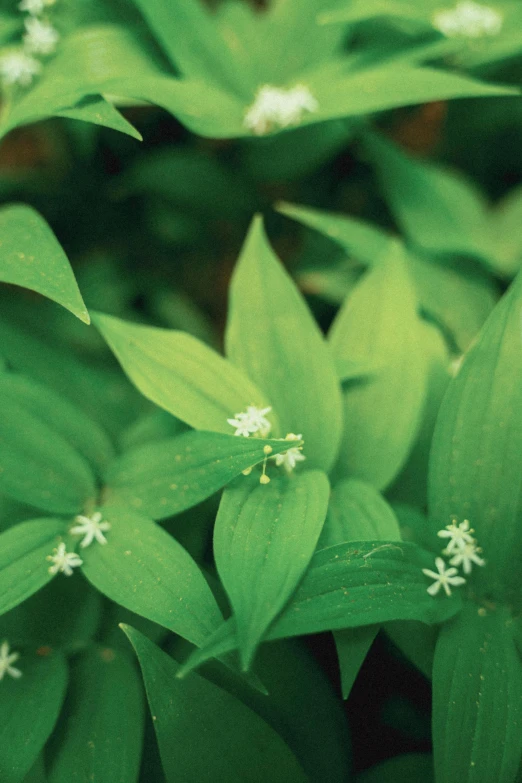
{"points": [[251, 422], [469, 19], [63, 561], [92, 528], [459, 536], [289, 459], [444, 578], [7, 659], [19, 68], [467, 556], [276, 107], [41, 37], [33, 7]]}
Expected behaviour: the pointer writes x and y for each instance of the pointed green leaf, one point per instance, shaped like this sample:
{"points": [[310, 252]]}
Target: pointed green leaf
{"points": [[29, 708], [477, 699], [180, 374], [382, 413], [101, 739], [195, 721], [167, 476], [476, 459], [272, 336], [148, 572], [82, 433], [438, 210], [31, 256], [350, 586], [353, 645], [37, 464], [410, 768], [264, 539], [98, 111], [23, 565]]}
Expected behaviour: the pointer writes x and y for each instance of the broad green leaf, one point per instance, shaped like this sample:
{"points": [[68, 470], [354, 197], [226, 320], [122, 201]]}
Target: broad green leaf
{"points": [[37, 464], [477, 698], [416, 641], [382, 413], [476, 459], [272, 336], [101, 738], [353, 645], [505, 221], [29, 708], [264, 539], [410, 768], [37, 772], [80, 432], [98, 111], [350, 586], [439, 211], [180, 374], [358, 512], [30, 256], [195, 721], [165, 477], [145, 570], [23, 565]]}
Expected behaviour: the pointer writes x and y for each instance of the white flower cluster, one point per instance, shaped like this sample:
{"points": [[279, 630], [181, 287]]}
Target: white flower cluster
{"points": [[468, 19], [253, 421], [91, 529], [7, 658], [463, 550], [20, 66], [276, 108]]}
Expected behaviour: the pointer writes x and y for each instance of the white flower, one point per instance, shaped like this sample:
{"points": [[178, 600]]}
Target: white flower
{"points": [[63, 561], [7, 659], [19, 68], [290, 458], [466, 556], [276, 107], [459, 536], [444, 578], [92, 528], [41, 37], [469, 19], [33, 7], [252, 421]]}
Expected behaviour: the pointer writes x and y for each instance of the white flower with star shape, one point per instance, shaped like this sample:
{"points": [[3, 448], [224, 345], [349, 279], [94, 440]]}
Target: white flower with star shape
{"points": [[92, 528], [276, 107], [7, 658], [458, 535], [253, 421], [468, 19], [19, 68], [466, 556], [63, 561], [289, 459], [41, 37], [444, 577]]}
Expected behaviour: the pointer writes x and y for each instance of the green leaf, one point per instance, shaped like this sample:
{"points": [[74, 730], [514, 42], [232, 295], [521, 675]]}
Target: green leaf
{"points": [[477, 699], [165, 477], [353, 645], [101, 738], [31, 256], [439, 211], [96, 110], [29, 708], [272, 336], [148, 572], [195, 721], [382, 412], [37, 464], [80, 432], [349, 586], [23, 565], [410, 768], [476, 459], [180, 374], [505, 220], [264, 539], [358, 512]]}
